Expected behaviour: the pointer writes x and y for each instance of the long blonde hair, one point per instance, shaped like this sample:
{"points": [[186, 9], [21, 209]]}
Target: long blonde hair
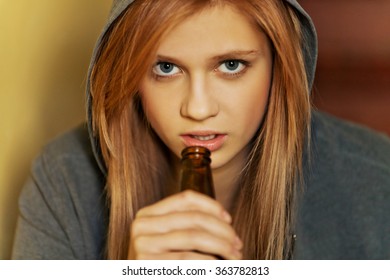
{"points": [[137, 161]]}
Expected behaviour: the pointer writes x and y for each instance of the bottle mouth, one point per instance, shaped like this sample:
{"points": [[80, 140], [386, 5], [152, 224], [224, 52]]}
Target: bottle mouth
{"points": [[196, 150]]}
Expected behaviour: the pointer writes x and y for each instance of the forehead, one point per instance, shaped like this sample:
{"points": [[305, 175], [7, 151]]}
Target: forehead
{"points": [[212, 31]]}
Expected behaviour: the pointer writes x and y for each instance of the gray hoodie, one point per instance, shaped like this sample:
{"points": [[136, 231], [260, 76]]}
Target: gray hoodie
{"points": [[343, 211]]}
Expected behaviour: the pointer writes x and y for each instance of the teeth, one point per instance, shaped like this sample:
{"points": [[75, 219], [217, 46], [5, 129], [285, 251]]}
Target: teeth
{"points": [[204, 138]]}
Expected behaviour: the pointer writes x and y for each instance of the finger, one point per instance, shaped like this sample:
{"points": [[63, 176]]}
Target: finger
{"points": [[186, 201], [185, 220], [186, 240], [185, 255]]}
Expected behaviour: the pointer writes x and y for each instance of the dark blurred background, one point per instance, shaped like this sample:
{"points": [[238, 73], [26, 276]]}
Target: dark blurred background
{"points": [[353, 74]]}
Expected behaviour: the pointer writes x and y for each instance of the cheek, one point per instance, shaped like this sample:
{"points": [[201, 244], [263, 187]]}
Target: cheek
{"points": [[253, 116], [150, 102], [158, 100], [155, 111], [160, 110], [253, 103]]}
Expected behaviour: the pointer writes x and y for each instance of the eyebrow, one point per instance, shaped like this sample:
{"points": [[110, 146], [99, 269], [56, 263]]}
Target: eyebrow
{"points": [[225, 56], [235, 53]]}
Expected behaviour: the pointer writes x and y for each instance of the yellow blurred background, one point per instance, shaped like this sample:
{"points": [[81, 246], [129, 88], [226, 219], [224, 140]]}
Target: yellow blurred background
{"points": [[45, 48]]}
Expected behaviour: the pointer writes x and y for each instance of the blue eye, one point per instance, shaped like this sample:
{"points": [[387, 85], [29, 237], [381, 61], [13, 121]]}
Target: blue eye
{"points": [[232, 67], [165, 69]]}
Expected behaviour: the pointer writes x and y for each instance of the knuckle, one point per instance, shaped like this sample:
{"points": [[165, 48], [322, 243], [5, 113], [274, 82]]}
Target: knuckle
{"points": [[193, 237], [139, 213], [135, 228], [138, 244], [198, 217], [187, 195]]}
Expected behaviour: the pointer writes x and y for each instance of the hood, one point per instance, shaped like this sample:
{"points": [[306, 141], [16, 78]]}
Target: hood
{"points": [[118, 6]]}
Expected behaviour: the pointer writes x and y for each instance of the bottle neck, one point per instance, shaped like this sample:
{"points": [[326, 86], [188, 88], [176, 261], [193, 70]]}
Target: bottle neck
{"points": [[196, 172]]}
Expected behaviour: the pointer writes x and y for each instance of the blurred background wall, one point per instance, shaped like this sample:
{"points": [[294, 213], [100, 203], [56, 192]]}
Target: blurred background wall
{"points": [[45, 48], [353, 73]]}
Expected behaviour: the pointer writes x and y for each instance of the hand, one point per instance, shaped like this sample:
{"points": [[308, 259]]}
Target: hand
{"points": [[187, 225]]}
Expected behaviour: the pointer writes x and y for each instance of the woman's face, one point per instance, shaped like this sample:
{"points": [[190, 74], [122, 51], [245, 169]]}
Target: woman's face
{"points": [[209, 84]]}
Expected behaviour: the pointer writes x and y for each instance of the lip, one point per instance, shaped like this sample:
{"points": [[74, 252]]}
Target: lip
{"points": [[211, 144]]}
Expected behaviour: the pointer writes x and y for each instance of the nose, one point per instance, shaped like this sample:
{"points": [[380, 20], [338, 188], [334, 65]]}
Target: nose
{"points": [[199, 102]]}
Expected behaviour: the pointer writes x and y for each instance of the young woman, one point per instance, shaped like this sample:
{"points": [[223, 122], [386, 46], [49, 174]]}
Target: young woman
{"points": [[235, 77]]}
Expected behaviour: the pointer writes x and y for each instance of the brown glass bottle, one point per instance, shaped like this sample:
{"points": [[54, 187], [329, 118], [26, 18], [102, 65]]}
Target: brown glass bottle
{"points": [[195, 171]]}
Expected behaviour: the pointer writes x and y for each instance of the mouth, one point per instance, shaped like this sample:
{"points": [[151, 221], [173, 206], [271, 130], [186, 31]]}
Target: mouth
{"points": [[210, 140]]}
